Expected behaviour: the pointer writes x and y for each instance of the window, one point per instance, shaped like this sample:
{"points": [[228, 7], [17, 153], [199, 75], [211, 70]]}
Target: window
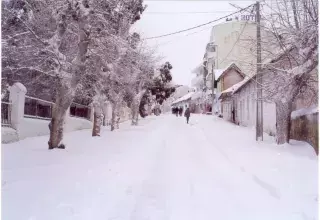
{"points": [[211, 48]]}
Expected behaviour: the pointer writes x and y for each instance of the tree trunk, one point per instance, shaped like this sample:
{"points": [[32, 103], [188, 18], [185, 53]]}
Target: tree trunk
{"points": [[67, 89], [134, 113], [114, 116], [63, 102], [283, 118], [135, 108]]}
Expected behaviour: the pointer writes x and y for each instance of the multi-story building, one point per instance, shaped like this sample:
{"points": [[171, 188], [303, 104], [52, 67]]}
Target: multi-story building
{"points": [[231, 43], [234, 43]]}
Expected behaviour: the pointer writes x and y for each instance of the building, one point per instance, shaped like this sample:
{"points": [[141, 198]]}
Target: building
{"points": [[183, 101], [234, 41], [231, 41], [224, 79], [238, 105]]}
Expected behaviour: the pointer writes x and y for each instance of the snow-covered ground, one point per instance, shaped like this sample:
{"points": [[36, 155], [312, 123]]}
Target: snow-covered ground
{"points": [[161, 169]]}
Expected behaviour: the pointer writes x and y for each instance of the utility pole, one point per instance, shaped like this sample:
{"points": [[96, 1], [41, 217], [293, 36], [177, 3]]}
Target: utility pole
{"points": [[212, 87], [259, 110]]}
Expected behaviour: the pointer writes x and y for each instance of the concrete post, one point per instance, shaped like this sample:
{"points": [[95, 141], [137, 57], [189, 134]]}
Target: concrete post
{"points": [[91, 112], [17, 98], [107, 111]]}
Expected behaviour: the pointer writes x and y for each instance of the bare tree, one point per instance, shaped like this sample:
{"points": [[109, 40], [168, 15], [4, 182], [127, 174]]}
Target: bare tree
{"points": [[57, 37], [294, 26], [289, 56]]}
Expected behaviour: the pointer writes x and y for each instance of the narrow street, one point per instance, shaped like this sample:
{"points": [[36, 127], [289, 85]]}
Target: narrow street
{"points": [[161, 169]]}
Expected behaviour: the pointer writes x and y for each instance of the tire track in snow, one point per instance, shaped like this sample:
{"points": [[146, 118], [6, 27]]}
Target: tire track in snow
{"points": [[234, 176]]}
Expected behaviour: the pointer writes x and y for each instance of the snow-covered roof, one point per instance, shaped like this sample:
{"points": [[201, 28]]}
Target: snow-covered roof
{"points": [[196, 95], [242, 83], [183, 98], [236, 86]]}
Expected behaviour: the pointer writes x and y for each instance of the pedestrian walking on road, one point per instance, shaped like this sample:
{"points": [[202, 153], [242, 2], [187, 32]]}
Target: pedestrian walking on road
{"points": [[180, 111], [187, 114]]}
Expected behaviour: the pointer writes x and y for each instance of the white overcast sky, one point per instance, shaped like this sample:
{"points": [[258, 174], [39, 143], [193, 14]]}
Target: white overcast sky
{"points": [[184, 52]]}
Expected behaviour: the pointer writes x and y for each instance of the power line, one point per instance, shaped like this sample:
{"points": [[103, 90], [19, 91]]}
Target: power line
{"points": [[188, 29], [187, 35], [187, 12], [198, 0]]}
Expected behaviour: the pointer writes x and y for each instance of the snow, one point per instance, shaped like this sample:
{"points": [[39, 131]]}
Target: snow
{"points": [[198, 70], [183, 98], [197, 81], [197, 95], [304, 111], [242, 83], [218, 73], [8, 135], [161, 169], [236, 86], [32, 127]]}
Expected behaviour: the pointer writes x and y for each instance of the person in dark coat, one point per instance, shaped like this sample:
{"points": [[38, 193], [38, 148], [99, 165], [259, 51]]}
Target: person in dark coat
{"points": [[187, 114], [180, 111], [233, 116]]}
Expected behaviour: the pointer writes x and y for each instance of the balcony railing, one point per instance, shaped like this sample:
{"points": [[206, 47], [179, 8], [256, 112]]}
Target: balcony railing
{"points": [[42, 109], [6, 114], [37, 108], [80, 111]]}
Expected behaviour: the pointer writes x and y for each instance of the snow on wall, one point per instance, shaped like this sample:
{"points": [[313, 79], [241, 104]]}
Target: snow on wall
{"points": [[31, 127], [74, 124], [246, 109]]}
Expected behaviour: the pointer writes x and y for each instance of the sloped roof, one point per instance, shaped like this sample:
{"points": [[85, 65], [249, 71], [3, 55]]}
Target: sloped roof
{"points": [[234, 88], [183, 98], [242, 83], [275, 59], [219, 72], [197, 95]]}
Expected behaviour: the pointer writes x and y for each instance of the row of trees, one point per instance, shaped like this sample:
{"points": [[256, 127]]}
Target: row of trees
{"points": [[85, 49]]}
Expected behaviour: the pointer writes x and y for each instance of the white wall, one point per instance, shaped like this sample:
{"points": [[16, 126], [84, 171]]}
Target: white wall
{"points": [[23, 127], [31, 127], [225, 36], [246, 109], [226, 110]]}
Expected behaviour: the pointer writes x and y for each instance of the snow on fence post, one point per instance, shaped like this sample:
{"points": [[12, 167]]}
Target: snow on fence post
{"points": [[107, 113], [17, 98]]}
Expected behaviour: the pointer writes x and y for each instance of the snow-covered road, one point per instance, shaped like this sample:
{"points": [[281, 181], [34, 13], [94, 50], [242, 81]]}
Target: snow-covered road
{"points": [[162, 169]]}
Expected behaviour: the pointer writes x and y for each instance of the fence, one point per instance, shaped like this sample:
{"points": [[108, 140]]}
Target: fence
{"points": [[6, 113], [80, 111], [305, 128], [37, 108]]}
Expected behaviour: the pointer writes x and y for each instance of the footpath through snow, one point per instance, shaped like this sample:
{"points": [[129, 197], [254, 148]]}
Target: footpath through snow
{"points": [[161, 169]]}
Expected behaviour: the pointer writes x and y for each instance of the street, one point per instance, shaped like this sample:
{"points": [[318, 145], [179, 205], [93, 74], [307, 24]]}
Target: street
{"points": [[161, 169]]}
